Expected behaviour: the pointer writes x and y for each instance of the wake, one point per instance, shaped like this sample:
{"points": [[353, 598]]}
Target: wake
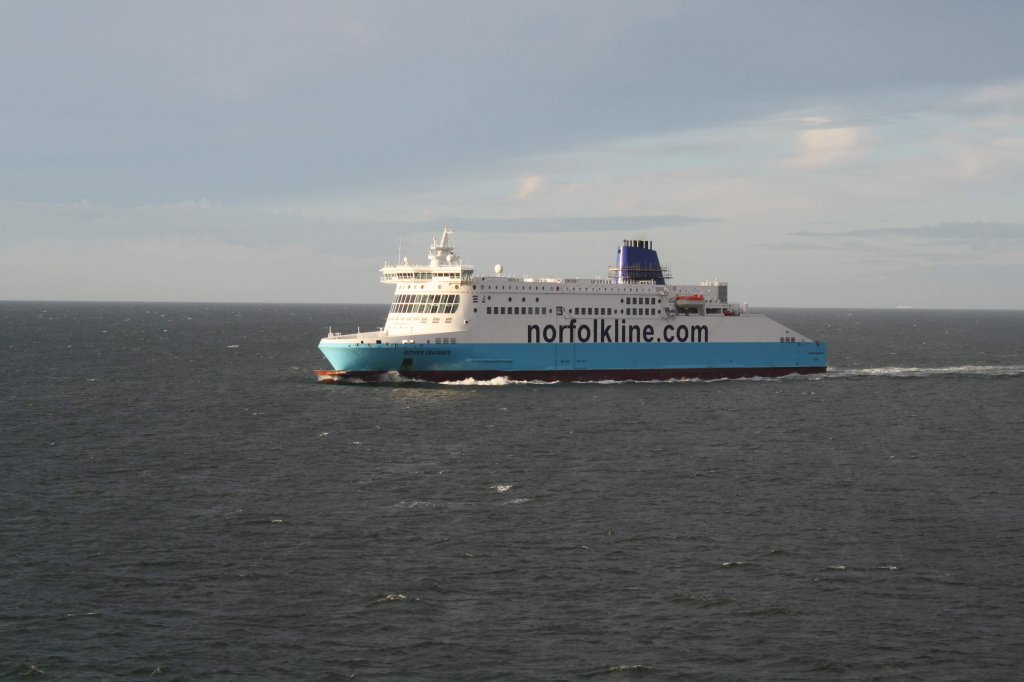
{"points": [[918, 372]]}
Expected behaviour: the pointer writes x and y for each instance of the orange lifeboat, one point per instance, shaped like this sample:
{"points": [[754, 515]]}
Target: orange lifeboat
{"points": [[689, 302]]}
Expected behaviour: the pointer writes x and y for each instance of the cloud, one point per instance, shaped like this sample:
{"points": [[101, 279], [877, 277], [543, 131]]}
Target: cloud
{"points": [[1007, 93], [828, 146], [1005, 237], [311, 144], [182, 269], [275, 102], [528, 186], [621, 223], [976, 233]]}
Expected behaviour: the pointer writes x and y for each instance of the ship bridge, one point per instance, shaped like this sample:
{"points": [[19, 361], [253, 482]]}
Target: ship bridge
{"points": [[443, 264]]}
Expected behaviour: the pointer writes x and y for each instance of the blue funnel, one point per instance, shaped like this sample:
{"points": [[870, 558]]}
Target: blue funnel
{"points": [[638, 262]]}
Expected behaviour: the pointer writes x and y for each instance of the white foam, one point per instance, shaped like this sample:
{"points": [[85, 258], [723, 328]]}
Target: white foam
{"points": [[394, 378], [413, 504], [391, 597], [910, 372], [499, 381], [496, 381], [880, 567], [832, 373]]}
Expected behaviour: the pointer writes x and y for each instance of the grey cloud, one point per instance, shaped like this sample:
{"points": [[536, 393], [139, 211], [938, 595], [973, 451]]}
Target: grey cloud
{"points": [[85, 223], [627, 223], [160, 102], [978, 233]]}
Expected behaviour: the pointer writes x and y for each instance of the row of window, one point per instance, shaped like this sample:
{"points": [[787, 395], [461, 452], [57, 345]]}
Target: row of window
{"points": [[431, 275], [555, 289], [445, 304], [601, 312], [420, 308], [412, 275], [426, 298], [516, 310], [629, 300]]}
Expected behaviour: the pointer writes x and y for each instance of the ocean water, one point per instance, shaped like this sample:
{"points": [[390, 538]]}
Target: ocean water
{"points": [[181, 500]]}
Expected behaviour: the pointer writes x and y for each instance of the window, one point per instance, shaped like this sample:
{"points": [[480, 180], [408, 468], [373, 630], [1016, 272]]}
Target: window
{"points": [[425, 303]]}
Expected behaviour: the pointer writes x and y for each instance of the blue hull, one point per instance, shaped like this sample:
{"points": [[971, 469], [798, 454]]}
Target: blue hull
{"points": [[573, 362]]}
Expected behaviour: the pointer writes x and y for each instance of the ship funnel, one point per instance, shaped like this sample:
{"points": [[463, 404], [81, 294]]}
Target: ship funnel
{"points": [[637, 261]]}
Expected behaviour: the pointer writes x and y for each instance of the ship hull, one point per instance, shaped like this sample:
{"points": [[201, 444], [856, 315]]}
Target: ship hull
{"points": [[570, 362]]}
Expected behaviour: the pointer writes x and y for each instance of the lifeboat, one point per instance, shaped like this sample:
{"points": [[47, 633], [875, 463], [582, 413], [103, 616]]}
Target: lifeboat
{"points": [[689, 301]]}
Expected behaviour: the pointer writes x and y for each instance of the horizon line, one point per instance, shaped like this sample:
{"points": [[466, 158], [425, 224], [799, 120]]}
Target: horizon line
{"points": [[902, 308]]}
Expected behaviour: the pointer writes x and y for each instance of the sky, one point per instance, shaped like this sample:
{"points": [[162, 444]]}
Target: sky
{"points": [[812, 154]]}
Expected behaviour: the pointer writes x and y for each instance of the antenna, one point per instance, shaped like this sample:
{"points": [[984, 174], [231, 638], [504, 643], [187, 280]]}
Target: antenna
{"points": [[399, 249]]}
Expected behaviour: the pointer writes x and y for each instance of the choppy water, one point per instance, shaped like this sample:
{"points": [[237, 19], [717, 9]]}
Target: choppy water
{"points": [[181, 500]]}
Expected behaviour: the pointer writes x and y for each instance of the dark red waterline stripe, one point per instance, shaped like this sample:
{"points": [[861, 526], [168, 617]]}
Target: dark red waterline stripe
{"points": [[329, 376]]}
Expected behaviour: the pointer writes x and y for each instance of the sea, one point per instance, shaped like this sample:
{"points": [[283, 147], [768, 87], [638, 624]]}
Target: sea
{"points": [[181, 500]]}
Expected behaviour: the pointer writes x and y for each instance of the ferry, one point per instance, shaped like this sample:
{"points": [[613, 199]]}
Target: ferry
{"points": [[448, 323]]}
